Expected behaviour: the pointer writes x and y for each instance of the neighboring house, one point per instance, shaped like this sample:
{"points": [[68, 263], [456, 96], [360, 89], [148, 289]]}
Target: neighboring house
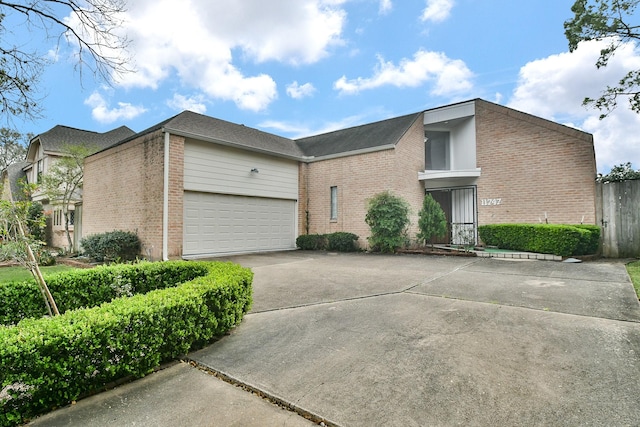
{"points": [[12, 176], [195, 186], [42, 153]]}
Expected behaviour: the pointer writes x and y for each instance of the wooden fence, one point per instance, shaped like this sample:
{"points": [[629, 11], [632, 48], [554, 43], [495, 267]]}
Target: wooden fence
{"points": [[618, 212]]}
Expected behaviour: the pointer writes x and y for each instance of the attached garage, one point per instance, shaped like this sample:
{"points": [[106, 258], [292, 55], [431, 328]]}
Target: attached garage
{"points": [[227, 224], [237, 201]]}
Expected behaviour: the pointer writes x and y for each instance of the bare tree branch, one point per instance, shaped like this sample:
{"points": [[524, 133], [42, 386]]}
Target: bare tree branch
{"points": [[90, 27]]}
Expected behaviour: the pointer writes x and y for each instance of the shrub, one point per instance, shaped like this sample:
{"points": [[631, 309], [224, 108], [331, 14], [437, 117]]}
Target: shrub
{"points": [[342, 242], [311, 242], [388, 218], [49, 362], [557, 239], [432, 220], [112, 246]]}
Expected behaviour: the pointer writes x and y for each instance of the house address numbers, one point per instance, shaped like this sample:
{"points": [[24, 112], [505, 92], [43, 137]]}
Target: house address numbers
{"points": [[490, 202]]}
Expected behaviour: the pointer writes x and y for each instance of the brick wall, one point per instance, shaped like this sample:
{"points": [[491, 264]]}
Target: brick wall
{"points": [[123, 190], [358, 178], [532, 166]]}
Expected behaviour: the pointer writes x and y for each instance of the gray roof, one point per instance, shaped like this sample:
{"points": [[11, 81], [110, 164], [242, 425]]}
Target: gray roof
{"points": [[14, 173], [206, 128], [365, 137], [55, 139]]}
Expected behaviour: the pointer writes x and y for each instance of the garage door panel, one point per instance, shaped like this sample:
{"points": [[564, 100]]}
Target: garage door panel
{"points": [[219, 223]]}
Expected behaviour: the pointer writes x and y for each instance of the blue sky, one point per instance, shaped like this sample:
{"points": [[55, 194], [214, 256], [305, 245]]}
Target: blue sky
{"points": [[301, 67]]}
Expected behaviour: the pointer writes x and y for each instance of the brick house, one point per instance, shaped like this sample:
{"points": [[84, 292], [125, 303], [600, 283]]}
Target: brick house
{"points": [[195, 186]]}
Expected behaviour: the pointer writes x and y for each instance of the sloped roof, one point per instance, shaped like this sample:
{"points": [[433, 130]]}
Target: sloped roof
{"points": [[55, 139], [206, 128], [13, 174], [364, 137]]}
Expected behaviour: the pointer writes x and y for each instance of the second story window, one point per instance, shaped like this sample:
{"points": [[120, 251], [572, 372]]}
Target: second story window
{"points": [[437, 151], [39, 171]]}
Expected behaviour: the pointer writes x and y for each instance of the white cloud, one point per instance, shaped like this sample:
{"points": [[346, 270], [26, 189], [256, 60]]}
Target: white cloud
{"points": [[554, 88], [451, 76], [205, 43], [298, 91], [437, 10], [103, 114], [181, 103], [385, 7]]}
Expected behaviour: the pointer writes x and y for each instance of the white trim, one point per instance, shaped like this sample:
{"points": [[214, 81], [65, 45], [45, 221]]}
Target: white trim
{"points": [[350, 153], [448, 174]]}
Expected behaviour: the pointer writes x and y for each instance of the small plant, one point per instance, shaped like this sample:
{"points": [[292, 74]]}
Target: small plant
{"points": [[431, 220], [112, 246], [342, 242], [311, 242], [388, 218]]}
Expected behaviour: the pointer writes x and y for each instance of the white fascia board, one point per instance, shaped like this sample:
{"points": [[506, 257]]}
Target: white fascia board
{"points": [[449, 174]]}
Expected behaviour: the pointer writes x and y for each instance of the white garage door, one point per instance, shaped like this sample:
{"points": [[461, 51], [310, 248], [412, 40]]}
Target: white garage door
{"points": [[217, 224]]}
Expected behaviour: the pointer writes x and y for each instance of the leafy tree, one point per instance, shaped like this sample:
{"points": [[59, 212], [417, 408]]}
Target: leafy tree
{"points": [[18, 225], [432, 220], [90, 26], [619, 173], [388, 219], [610, 20], [13, 147], [63, 181]]}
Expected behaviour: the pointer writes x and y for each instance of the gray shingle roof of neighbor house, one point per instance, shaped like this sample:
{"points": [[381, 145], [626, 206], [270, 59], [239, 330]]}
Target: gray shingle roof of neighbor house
{"points": [[365, 137], [206, 128], [14, 173], [55, 139]]}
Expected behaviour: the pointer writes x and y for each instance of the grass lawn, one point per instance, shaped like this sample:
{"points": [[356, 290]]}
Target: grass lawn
{"points": [[634, 272], [18, 274]]}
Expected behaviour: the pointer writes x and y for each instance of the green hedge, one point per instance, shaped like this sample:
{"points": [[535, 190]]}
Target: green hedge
{"points": [[49, 362], [91, 287], [557, 239], [339, 241]]}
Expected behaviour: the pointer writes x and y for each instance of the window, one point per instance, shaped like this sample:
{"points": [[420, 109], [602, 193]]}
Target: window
{"points": [[72, 217], [39, 171], [437, 151], [334, 203]]}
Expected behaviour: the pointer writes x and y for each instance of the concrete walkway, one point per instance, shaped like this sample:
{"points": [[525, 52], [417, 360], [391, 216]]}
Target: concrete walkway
{"points": [[362, 340]]}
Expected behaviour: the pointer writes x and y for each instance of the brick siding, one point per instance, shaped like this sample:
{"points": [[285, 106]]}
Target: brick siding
{"points": [[533, 166], [358, 178], [123, 190]]}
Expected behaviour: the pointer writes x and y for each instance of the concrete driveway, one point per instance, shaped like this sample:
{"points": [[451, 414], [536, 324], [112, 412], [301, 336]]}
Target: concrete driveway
{"points": [[405, 340]]}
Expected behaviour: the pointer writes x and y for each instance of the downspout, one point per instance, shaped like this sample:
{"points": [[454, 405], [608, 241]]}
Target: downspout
{"points": [[165, 200]]}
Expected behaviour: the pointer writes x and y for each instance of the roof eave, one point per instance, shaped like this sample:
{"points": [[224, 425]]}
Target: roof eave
{"points": [[205, 138], [385, 147]]}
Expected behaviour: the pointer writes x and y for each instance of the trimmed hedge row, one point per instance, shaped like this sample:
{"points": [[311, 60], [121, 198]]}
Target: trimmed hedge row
{"points": [[92, 287], [49, 362], [339, 242], [557, 239]]}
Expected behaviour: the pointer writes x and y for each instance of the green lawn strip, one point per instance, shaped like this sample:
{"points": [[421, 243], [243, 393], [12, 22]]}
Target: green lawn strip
{"points": [[18, 274], [634, 272]]}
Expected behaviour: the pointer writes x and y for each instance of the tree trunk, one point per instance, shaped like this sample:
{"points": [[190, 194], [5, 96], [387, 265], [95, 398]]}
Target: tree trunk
{"points": [[52, 308]]}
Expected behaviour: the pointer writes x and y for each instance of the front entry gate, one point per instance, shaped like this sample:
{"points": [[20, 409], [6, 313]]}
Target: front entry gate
{"points": [[461, 210]]}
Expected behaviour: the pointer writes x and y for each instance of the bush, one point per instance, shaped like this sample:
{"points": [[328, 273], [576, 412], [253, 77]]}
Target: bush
{"points": [[342, 242], [312, 242], [339, 242], [112, 246], [388, 218], [432, 220], [557, 239], [91, 287], [49, 362]]}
